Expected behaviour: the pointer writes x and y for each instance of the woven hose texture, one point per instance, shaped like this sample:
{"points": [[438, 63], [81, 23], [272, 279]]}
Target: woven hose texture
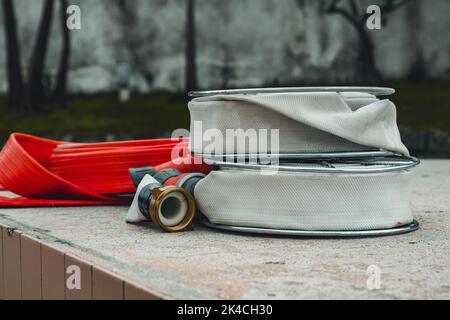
{"points": [[306, 201], [307, 122]]}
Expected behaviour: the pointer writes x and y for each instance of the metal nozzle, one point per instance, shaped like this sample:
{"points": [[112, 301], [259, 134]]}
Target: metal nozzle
{"points": [[172, 208]]}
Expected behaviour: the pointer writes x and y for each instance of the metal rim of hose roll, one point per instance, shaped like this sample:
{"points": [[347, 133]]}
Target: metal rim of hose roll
{"points": [[377, 91], [299, 155], [413, 226], [367, 167]]}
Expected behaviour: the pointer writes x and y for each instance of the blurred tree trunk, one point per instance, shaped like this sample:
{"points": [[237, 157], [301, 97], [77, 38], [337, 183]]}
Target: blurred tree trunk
{"points": [[31, 95], [35, 90], [132, 35], [58, 97], [357, 19], [191, 65], [366, 57], [226, 70], [417, 70], [15, 81]]}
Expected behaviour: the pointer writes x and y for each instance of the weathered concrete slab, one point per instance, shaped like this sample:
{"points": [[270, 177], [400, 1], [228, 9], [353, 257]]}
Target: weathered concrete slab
{"points": [[208, 264]]}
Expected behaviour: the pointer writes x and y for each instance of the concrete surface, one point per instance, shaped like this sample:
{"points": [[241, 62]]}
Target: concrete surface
{"points": [[205, 264]]}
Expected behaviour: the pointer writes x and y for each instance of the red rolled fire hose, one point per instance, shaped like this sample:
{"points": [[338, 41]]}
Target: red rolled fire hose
{"points": [[48, 173]]}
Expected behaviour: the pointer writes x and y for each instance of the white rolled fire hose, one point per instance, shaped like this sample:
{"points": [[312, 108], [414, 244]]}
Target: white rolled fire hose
{"points": [[343, 169], [331, 196], [320, 121]]}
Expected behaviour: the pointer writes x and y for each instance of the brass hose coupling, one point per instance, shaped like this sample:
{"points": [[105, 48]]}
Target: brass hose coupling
{"points": [[165, 197], [172, 208]]}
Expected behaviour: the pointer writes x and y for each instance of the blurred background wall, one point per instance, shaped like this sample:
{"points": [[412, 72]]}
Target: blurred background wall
{"points": [[159, 49]]}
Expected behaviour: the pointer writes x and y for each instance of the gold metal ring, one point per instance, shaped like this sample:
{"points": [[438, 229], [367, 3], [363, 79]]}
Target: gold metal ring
{"points": [[157, 199]]}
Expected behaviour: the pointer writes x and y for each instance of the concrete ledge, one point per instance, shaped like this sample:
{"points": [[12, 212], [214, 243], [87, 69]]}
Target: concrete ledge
{"points": [[33, 270], [123, 261]]}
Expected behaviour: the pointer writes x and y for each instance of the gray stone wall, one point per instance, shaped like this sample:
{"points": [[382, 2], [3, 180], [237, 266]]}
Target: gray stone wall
{"points": [[239, 43]]}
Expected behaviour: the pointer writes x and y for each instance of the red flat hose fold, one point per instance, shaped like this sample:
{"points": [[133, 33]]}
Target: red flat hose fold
{"points": [[187, 164], [55, 173]]}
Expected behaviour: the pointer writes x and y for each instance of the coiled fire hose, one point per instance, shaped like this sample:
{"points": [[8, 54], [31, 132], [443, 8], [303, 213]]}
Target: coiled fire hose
{"points": [[343, 166], [306, 120], [53, 173], [335, 195]]}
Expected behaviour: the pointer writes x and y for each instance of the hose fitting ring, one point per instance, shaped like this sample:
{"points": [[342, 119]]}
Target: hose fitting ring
{"points": [[171, 208]]}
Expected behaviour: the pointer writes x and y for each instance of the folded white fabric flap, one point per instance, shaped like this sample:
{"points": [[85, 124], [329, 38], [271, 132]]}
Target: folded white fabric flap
{"points": [[134, 215], [356, 100], [321, 121]]}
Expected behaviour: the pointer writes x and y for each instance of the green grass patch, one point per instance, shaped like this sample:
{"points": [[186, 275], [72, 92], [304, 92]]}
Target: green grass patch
{"points": [[420, 106], [96, 116], [423, 106]]}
